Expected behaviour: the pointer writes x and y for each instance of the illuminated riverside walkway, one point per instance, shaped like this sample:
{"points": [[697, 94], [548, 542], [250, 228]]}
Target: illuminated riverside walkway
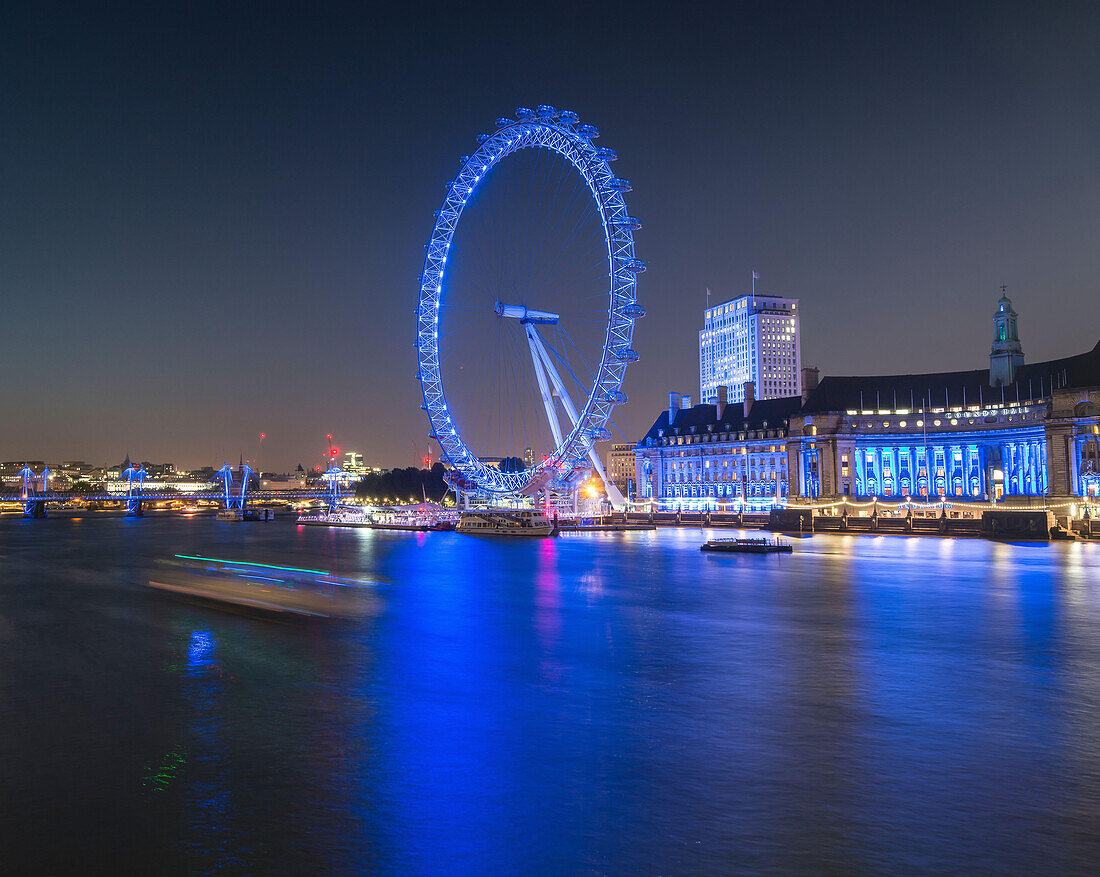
{"points": [[997, 521]]}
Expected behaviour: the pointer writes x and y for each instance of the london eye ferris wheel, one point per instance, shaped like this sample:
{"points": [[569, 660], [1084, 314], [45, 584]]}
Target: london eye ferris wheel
{"points": [[527, 305]]}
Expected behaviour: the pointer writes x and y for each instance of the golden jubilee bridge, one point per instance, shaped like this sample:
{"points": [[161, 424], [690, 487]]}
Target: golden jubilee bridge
{"points": [[233, 488]]}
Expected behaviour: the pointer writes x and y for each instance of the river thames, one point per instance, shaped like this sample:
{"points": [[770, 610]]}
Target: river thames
{"points": [[598, 703]]}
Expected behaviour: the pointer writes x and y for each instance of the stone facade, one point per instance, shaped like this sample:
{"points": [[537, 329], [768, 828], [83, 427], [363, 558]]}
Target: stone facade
{"points": [[721, 457]]}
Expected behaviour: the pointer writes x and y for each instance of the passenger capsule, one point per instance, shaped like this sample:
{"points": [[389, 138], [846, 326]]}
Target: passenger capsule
{"points": [[607, 154], [635, 265], [598, 433], [590, 132], [481, 138], [620, 185], [634, 310], [630, 222], [568, 117], [504, 122], [524, 114], [615, 397], [625, 354], [545, 111]]}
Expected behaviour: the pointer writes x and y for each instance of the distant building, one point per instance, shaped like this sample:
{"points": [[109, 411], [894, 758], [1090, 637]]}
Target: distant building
{"points": [[10, 469], [620, 465], [151, 485], [753, 338], [284, 482], [353, 464]]}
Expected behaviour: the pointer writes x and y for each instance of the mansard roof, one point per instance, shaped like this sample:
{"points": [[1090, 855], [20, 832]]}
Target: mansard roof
{"points": [[951, 389], [775, 413]]}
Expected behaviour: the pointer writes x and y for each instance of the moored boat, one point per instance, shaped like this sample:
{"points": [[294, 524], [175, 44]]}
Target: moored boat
{"points": [[506, 522], [414, 518], [747, 546]]}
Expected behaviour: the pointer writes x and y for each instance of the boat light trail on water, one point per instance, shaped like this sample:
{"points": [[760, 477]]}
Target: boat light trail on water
{"points": [[320, 572]]}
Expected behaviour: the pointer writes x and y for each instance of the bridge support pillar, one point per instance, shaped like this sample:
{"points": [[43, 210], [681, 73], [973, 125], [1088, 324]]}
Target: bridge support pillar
{"points": [[34, 508]]}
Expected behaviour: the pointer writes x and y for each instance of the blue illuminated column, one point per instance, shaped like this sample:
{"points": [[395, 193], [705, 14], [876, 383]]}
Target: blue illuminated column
{"points": [[1020, 458], [983, 473], [938, 465], [1042, 448], [810, 472]]}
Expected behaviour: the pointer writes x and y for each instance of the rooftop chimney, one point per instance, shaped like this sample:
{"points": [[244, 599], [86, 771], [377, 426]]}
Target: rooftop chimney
{"points": [[810, 377], [673, 407], [750, 396], [723, 400]]}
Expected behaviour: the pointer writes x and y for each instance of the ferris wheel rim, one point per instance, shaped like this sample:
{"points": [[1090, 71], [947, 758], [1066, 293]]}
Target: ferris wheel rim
{"points": [[561, 133]]}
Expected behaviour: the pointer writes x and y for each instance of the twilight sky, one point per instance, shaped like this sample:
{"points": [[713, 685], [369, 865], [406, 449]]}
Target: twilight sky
{"points": [[212, 216]]}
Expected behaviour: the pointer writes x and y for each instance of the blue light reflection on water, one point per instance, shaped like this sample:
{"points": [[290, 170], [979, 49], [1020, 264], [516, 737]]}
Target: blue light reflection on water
{"points": [[598, 702]]}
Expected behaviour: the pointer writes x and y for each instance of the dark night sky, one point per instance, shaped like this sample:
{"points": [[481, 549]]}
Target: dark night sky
{"points": [[212, 217]]}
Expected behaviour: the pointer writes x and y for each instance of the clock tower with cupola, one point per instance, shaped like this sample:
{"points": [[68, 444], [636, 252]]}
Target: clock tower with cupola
{"points": [[1007, 354]]}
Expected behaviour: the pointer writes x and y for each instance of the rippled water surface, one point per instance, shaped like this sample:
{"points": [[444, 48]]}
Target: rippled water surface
{"points": [[596, 703]]}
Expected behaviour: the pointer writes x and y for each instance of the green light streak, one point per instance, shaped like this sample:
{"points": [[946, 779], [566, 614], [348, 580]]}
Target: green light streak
{"points": [[320, 572], [169, 770]]}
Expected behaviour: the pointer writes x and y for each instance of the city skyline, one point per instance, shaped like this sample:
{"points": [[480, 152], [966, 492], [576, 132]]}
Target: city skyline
{"points": [[209, 226]]}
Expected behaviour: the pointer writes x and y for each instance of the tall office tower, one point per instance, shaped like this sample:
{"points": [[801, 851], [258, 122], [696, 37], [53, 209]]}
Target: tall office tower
{"points": [[751, 338]]}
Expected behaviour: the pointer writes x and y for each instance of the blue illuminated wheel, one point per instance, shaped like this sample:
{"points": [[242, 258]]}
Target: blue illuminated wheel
{"points": [[527, 305]]}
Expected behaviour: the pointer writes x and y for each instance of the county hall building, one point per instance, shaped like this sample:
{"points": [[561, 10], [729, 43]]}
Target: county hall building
{"points": [[1009, 432], [1014, 433], [727, 455]]}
